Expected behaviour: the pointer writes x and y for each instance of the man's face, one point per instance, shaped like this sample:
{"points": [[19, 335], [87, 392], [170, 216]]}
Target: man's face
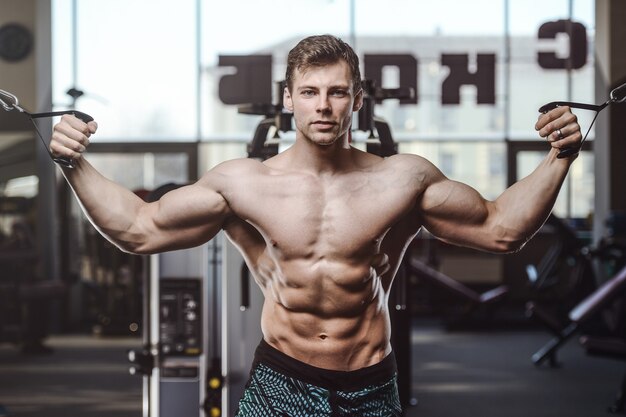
{"points": [[322, 102]]}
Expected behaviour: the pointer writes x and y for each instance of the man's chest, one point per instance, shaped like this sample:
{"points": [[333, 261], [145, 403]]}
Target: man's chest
{"points": [[305, 216]]}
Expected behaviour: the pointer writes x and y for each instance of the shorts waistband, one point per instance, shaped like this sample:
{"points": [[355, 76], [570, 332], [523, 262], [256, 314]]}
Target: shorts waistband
{"points": [[330, 379]]}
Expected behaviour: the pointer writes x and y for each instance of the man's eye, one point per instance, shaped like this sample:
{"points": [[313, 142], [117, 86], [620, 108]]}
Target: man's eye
{"points": [[307, 92], [339, 93]]}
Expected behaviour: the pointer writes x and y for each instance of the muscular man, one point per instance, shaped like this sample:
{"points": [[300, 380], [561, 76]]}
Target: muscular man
{"points": [[323, 228]]}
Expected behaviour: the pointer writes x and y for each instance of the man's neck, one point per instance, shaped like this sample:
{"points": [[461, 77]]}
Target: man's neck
{"points": [[321, 159]]}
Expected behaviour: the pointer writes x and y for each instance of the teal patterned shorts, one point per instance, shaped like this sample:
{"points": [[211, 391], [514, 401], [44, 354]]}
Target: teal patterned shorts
{"points": [[281, 386]]}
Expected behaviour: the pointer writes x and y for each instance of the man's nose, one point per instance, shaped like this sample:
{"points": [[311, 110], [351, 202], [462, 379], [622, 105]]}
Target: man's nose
{"points": [[323, 104]]}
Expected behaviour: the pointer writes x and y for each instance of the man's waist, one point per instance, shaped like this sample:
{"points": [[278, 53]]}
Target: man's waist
{"points": [[375, 374]]}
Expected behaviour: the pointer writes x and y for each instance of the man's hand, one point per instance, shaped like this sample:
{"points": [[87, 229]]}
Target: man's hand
{"points": [[560, 128], [70, 137]]}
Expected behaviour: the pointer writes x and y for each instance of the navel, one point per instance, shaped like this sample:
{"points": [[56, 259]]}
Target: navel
{"points": [[323, 336]]}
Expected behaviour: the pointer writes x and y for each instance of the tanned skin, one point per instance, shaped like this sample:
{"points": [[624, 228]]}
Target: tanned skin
{"points": [[322, 226]]}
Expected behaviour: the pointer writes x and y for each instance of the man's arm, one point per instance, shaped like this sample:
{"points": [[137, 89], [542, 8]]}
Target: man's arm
{"points": [[458, 214], [182, 218]]}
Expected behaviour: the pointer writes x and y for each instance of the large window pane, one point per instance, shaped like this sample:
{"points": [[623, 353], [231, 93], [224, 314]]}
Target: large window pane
{"points": [[136, 64], [533, 85], [428, 31]]}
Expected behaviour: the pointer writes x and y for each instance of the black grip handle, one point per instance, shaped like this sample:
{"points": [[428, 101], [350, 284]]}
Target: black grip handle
{"points": [[554, 104], [618, 94], [82, 116], [63, 161], [567, 152]]}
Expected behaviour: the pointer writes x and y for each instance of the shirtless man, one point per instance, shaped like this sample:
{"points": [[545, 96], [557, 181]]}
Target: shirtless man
{"points": [[323, 228]]}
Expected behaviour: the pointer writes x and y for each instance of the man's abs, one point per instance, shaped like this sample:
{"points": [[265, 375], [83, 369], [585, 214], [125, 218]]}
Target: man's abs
{"points": [[327, 322]]}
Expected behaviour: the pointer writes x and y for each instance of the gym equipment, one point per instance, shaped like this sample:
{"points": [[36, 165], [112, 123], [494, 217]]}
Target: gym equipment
{"points": [[23, 296], [566, 250], [569, 257], [473, 298], [275, 117], [111, 281], [10, 102], [173, 358], [377, 127], [585, 311], [606, 303], [611, 345], [617, 95]]}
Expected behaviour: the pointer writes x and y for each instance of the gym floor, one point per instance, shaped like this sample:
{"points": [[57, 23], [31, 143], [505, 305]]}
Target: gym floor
{"points": [[479, 374]]}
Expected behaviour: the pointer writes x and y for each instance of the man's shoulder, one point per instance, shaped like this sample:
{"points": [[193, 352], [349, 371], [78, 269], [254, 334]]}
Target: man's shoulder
{"points": [[228, 173], [407, 158], [239, 166], [409, 162]]}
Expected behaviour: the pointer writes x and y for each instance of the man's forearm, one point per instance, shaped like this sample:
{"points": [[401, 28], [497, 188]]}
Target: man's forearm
{"points": [[526, 205], [111, 208]]}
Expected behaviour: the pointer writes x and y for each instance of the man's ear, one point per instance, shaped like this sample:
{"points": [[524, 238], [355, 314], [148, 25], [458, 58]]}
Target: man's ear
{"points": [[358, 101], [287, 101]]}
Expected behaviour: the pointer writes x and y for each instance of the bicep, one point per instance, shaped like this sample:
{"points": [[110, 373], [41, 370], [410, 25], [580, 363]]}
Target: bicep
{"points": [[184, 217], [456, 213]]}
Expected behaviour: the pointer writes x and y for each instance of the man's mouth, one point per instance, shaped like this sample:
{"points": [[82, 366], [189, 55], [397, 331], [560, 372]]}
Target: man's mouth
{"points": [[322, 123]]}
